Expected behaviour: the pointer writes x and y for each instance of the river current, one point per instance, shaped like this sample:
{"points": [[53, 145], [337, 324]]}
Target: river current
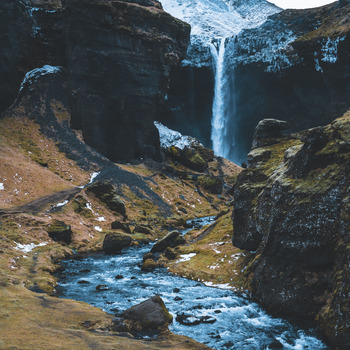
{"points": [[239, 322]]}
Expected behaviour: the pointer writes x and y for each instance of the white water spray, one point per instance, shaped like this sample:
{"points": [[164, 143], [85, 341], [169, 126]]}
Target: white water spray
{"points": [[219, 120]]}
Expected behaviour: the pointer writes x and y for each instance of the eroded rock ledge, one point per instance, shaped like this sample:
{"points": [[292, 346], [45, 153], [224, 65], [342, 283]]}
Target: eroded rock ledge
{"points": [[292, 207]]}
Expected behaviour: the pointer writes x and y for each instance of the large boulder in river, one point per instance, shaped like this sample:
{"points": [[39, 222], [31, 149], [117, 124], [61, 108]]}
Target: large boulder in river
{"points": [[172, 239], [150, 315], [115, 242]]}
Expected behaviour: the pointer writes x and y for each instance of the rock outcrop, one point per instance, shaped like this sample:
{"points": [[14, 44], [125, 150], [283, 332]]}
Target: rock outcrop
{"points": [[291, 208], [117, 54], [294, 65]]}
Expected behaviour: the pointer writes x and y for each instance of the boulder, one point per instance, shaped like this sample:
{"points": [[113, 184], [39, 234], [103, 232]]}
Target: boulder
{"points": [[115, 242], [142, 229], [118, 225], [170, 253], [148, 265], [60, 232], [267, 131], [150, 315], [172, 239], [106, 193]]}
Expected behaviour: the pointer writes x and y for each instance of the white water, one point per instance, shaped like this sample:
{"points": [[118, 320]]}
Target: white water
{"points": [[221, 89], [215, 25]]}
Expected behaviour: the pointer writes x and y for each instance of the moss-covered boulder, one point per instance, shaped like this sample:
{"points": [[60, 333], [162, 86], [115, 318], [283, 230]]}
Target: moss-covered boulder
{"points": [[150, 315], [59, 231], [118, 225], [142, 229], [212, 184], [107, 194], [172, 239], [148, 265], [115, 242]]}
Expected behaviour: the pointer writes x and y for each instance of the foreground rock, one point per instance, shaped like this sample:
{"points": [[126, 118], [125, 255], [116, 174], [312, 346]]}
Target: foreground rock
{"points": [[115, 242], [148, 316], [60, 232], [172, 239], [292, 208]]}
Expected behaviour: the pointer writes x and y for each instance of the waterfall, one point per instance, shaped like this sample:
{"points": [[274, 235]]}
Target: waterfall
{"points": [[220, 116]]}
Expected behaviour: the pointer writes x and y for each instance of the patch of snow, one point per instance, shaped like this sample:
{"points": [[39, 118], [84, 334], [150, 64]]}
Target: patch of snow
{"points": [[169, 138], [220, 286], [26, 248], [34, 74], [101, 218], [186, 257], [330, 49], [2, 187], [93, 177], [98, 228], [62, 204]]}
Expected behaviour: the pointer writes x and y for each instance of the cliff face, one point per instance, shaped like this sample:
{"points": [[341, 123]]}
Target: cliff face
{"points": [[295, 64], [117, 54], [292, 208]]}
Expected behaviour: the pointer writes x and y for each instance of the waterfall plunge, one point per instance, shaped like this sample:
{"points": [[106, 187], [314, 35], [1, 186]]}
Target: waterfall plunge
{"points": [[220, 118]]}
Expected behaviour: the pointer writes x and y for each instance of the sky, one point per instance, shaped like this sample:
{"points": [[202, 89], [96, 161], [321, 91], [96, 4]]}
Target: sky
{"points": [[300, 4]]}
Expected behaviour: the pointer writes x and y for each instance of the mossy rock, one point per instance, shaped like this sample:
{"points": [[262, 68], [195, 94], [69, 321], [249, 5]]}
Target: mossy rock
{"points": [[170, 253], [148, 265], [115, 242], [212, 184], [142, 229], [172, 239], [117, 225], [150, 315], [79, 206], [59, 231]]}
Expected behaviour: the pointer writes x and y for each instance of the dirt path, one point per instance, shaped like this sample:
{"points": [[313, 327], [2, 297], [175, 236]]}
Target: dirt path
{"points": [[47, 202]]}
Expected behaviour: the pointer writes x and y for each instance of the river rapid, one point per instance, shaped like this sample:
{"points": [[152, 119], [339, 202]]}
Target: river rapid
{"points": [[239, 323]]}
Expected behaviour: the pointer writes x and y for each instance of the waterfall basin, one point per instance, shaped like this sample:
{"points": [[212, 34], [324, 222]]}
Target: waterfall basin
{"points": [[238, 322]]}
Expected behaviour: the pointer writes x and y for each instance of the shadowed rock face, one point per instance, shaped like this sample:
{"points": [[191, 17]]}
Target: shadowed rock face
{"points": [[270, 82], [118, 56], [292, 208]]}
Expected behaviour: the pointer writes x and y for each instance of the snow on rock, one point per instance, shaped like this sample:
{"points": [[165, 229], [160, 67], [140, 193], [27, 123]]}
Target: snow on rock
{"points": [[101, 218], [330, 49], [1, 186], [214, 19], [98, 228], [26, 248], [169, 138], [34, 74], [186, 257]]}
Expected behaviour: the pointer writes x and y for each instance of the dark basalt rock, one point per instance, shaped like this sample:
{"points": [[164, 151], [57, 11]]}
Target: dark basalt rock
{"points": [[118, 56], [117, 225], [142, 229], [60, 232], [172, 239], [191, 320], [267, 131], [105, 192], [115, 242], [102, 288], [150, 315], [293, 210]]}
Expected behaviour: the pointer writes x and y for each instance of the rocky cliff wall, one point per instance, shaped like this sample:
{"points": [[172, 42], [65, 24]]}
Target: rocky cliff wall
{"points": [[294, 65], [291, 209], [117, 54]]}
